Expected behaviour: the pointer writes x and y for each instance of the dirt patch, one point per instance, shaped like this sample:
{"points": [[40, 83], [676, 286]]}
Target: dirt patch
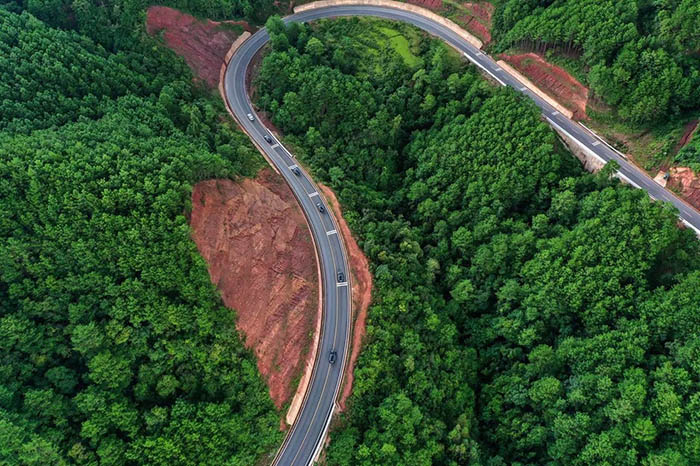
{"points": [[361, 292], [435, 5], [687, 135], [260, 256], [687, 182], [553, 80], [203, 44], [478, 19]]}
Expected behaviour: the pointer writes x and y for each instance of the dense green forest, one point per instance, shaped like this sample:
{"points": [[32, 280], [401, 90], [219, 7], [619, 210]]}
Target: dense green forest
{"points": [[640, 56], [525, 311], [115, 348], [115, 23]]}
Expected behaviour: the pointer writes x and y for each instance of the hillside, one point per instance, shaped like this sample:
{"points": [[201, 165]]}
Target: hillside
{"points": [[116, 348], [525, 311]]}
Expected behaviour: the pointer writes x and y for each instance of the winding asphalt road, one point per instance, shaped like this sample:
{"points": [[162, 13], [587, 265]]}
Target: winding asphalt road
{"points": [[305, 439]]}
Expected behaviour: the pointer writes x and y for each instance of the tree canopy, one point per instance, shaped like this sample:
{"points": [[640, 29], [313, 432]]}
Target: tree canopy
{"points": [[640, 56], [525, 311], [115, 347]]}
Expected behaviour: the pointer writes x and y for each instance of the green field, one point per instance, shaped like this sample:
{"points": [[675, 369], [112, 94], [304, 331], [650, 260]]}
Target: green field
{"points": [[399, 42]]}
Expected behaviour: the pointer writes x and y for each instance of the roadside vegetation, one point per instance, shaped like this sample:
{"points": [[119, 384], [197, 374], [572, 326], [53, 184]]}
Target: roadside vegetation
{"points": [[640, 57], [641, 61], [526, 312], [115, 346]]}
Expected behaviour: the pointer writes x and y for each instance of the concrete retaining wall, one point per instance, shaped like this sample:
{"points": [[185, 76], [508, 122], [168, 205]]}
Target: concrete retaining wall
{"points": [[590, 163], [398, 6], [237, 43], [530, 85], [227, 58]]}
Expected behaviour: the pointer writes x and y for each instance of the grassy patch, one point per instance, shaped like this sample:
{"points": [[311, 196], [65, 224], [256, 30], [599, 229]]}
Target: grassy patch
{"points": [[398, 41], [652, 149]]}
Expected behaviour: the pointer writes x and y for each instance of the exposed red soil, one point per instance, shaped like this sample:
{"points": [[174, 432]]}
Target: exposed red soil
{"points": [[553, 80], [203, 44], [361, 292], [687, 136], [688, 182], [260, 256], [482, 10], [478, 20], [435, 5]]}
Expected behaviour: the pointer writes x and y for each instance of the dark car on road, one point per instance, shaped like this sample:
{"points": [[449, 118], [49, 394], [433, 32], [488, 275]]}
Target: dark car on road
{"points": [[332, 357], [320, 207], [341, 277], [296, 171], [268, 138]]}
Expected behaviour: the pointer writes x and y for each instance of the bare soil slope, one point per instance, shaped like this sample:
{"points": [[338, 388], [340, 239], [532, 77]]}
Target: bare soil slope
{"points": [[260, 256], [553, 80], [478, 19], [687, 182], [203, 44]]}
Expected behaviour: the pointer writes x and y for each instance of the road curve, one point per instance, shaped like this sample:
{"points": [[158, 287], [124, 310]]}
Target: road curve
{"points": [[307, 434]]}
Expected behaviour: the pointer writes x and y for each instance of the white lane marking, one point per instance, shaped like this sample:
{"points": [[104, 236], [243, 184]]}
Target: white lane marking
{"points": [[595, 135], [479, 54], [342, 284], [498, 68], [555, 113], [313, 194], [332, 232], [484, 69], [523, 89], [274, 146], [292, 167], [597, 143]]}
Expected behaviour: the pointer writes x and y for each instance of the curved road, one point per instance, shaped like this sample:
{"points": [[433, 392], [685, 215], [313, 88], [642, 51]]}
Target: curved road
{"points": [[306, 436]]}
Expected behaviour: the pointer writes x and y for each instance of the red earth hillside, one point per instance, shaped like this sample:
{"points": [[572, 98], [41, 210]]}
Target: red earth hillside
{"points": [[553, 80], [478, 19], [203, 44], [260, 256], [434, 5]]}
